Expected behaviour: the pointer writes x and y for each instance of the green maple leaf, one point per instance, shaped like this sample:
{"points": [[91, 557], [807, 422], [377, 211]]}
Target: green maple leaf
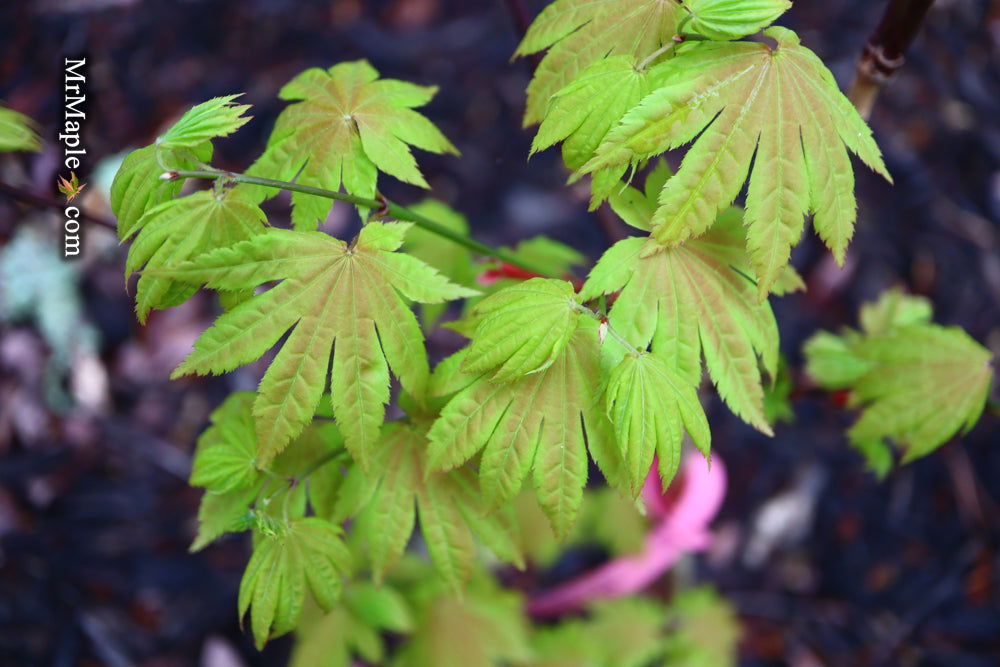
{"points": [[629, 632], [581, 114], [741, 100], [226, 454], [732, 19], [349, 125], [691, 300], [650, 407], [706, 631], [578, 33], [226, 466], [17, 132], [137, 187], [541, 423], [484, 626], [522, 329], [354, 626], [181, 229], [348, 298], [918, 383], [447, 503], [300, 553]]}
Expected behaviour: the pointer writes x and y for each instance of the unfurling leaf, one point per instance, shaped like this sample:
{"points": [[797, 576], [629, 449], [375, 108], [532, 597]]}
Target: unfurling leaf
{"points": [[650, 407], [732, 19], [349, 125], [578, 33], [689, 300], [331, 295], [181, 229], [522, 329], [540, 423], [304, 552], [748, 101], [918, 383], [137, 186]]}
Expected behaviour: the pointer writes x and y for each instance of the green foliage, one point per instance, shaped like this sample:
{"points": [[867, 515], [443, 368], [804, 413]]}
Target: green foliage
{"points": [[578, 33], [540, 423], [522, 329], [17, 132], [704, 630], [549, 375], [348, 126], [137, 186], [691, 300], [287, 559], [483, 627], [348, 297], [649, 404], [353, 627], [732, 19], [742, 99], [447, 503], [918, 383], [181, 229]]}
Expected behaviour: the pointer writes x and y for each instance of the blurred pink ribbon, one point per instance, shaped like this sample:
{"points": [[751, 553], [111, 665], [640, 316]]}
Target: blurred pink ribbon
{"points": [[680, 526]]}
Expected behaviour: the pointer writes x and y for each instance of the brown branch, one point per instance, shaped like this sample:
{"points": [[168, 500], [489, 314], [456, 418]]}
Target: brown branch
{"points": [[884, 52], [44, 202]]}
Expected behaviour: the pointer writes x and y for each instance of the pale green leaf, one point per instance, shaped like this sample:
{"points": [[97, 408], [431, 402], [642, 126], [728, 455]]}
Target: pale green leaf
{"points": [[691, 300], [448, 511], [748, 101], [918, 383], [181, 229], [349, 299], [218, 117], [522, 329], [649, 405], [303, 553], [732, 19], [540, 423], [346, 125], [578, 33]]}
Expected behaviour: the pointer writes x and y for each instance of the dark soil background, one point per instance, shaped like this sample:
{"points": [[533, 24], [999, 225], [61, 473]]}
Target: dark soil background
{"points": [[95, 513]]}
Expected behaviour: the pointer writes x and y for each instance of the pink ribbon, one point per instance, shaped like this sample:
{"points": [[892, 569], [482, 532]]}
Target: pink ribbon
{"points": [[681, 526]]}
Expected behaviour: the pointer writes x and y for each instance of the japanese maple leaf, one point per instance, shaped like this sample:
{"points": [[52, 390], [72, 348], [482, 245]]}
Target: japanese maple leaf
{"points": [[348, 125], [70, 187], [181, 229], [691, 300], [777, 107], [918, 383], [348, 298], [448, 504], [137, 186], [578, 33], [540, 423]]}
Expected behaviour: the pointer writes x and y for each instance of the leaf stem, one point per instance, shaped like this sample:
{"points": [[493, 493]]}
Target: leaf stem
{"points": [[382, 205], [611, 330]]}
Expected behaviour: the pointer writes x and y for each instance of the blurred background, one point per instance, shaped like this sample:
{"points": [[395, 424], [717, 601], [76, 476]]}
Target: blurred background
{"points": [[95, 441]]}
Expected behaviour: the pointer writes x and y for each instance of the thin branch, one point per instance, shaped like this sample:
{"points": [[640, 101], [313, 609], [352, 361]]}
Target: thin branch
{"points": [[382, 205], [883, 55], [43, 202]]}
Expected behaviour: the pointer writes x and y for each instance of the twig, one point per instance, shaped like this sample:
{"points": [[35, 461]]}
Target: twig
{"points": [[43, 202], [883, 54], [382, 205]]}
